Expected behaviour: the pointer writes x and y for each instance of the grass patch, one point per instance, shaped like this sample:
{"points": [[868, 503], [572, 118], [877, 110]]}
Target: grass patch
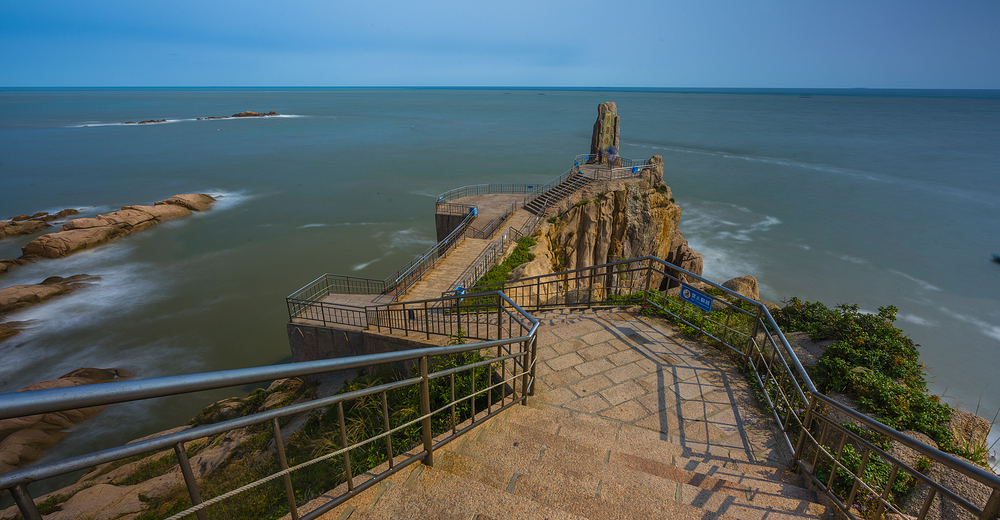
{"points": [[501, 272]]}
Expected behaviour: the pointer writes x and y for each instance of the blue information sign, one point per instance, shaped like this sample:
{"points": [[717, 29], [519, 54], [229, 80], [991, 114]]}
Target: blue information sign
{"points": [[698, 298]]}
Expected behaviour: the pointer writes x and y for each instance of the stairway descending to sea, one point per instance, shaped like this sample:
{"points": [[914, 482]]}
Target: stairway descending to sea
{"points": [[630, 420]]}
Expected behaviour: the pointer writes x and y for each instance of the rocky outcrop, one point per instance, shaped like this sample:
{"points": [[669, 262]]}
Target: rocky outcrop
{"points": [[607, 221], [22, 439], [85, 233], [28, 224], [605, 135], [745, 285], [17, 296], [255, 114], [682, 256]]}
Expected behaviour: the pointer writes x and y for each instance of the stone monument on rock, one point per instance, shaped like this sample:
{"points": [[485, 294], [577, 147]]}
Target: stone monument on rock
{"points": [[604, 142]]}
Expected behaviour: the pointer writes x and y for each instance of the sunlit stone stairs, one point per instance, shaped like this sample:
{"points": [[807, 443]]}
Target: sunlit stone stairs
{"points": [[570, 185], [533, 463]]}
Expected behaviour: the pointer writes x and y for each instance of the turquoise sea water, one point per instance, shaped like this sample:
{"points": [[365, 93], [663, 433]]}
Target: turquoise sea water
{"points": [[868, 197]]}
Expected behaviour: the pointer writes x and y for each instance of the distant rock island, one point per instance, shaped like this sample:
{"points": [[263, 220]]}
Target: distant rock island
{"points": [[247, 113]]}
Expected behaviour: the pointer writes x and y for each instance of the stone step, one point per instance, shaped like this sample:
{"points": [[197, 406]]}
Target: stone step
{"points": [[655, 450], [613, 493], [552, 468], [591, 438], [435, 494]]}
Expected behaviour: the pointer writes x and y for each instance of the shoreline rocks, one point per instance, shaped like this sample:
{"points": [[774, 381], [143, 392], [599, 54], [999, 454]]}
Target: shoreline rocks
{"points": [[22, 439], [28, 224], [17, 296], [86, 233]]}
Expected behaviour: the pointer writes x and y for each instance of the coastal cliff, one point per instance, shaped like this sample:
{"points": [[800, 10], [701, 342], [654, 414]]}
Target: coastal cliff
{"points": [[610, 220]]}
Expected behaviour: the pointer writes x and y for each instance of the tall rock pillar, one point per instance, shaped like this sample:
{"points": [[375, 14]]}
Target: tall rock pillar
{"points": [[604, 142]]}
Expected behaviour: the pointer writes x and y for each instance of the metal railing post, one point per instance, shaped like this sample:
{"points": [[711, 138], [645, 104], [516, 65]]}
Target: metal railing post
{"points": [[992, 508], [756, 323], [534, 353], [192, 486], [343, 445], [649, 276], [427, 321], [525, 363], [425, 410], [804, 427], [283, 462], [24, 502]]}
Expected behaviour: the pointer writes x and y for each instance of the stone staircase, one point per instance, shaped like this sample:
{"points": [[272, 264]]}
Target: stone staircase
{"points": [[531, 463], [630, 420], [570, 185]]}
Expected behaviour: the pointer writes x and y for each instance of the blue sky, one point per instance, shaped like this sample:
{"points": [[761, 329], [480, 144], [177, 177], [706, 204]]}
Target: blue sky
{"points": [[666, 43]]}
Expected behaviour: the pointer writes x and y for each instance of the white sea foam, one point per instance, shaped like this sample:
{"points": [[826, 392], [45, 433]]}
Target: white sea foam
{"points": [[917, 320], [363, 265], [313, 225], [925, 285], [408, 237], [987, 329], [847, 258], [226, 200], [89, 124]]}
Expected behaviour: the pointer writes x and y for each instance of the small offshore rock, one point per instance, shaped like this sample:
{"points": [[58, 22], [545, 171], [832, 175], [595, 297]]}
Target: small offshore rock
{"points": [[745, 285]]}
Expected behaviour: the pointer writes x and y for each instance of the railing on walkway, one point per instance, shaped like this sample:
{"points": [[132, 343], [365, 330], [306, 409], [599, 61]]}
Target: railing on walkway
{"points": [[814, 441], [307, 302], [508, 371], [491, 227], [485, 189]]}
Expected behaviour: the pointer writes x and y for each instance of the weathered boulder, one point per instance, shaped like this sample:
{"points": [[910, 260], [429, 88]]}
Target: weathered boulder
{"points": [[22, 439], [27, 227], [17, 296], [605, 134], [85, 233], [745, 285], [681, 255], [968, 429], [191, 201]]}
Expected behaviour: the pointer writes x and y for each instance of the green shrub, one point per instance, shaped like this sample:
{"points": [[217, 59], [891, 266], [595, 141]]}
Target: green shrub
{"points": [[873, 362]]}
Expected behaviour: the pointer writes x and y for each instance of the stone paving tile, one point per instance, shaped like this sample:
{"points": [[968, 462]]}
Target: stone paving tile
{"points": [[564, 361], [562, 377], [597, 351], [577, 328], [624, 373], [546, 353], [590, 385], [590, 404], [594, 367], [625, 357], [558, 396], [659, 401], [599, 336], [569, 345], [620, 393], [628, 411]]}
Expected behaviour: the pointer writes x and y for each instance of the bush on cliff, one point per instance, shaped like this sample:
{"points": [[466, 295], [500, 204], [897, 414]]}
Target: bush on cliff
{"points": [[874, 363]]}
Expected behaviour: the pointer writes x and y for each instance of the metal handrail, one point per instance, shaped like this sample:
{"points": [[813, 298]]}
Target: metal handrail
{"points": [[521, 330]]}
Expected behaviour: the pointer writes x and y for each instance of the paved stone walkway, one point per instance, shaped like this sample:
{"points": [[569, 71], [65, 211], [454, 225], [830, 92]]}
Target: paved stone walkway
{"points": [[642, 371]]}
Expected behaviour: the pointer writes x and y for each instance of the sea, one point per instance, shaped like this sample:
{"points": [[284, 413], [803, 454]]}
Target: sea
{"points": [[867, 197]]}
